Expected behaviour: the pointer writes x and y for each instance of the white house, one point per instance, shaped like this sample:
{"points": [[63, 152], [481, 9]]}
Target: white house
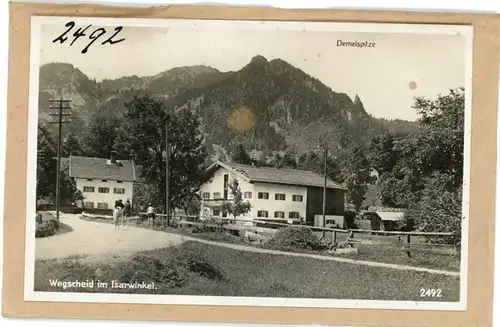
{"points": [[103, 181], [271, 192]]}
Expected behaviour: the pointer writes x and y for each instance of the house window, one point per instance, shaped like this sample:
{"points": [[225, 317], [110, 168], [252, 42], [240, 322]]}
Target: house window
{"points": [[88, 189], [104, 180], [216, 212], [226, 181], [262, 213], [89, 180], [206, 195], [217, 195], [119, 182], [119, 190], [103, 189], [279, 214], [297, 198], [280, 197], [247, 195], [293, 215], [102, 205], [263, 195], [88, 205], [225, 194]]}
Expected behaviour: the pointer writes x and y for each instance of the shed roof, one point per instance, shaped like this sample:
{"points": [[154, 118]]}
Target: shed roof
{"points": [[390, 216]]}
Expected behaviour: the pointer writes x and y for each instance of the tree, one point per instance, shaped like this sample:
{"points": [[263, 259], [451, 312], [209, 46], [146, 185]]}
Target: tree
{"points": [[101, 136], [239, 155], [71, 146], [143, 194], [47, 172], [46, 165], [145, 121], [357, 176], [440, 138], [237, 206], [67, 189], [288, 160], [439, 208], [424, 173], [382, 154]]}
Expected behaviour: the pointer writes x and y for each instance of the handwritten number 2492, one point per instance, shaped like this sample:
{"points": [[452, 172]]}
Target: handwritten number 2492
{"points": [[96, 34]]}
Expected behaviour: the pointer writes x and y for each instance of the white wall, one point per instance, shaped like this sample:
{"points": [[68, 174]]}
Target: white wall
{"points": [[271, 205], [108, 198]]}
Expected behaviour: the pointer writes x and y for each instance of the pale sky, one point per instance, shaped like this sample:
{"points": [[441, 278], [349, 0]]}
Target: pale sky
{"points": [[380, 75]]}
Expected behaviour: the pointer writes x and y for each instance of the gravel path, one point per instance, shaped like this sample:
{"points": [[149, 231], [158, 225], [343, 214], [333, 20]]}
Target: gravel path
{"points": [[100, 240]]}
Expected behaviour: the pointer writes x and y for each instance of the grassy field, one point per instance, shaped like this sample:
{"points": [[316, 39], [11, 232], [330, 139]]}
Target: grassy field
{"points": [[384, 252], [384, 249], [200, 269]]}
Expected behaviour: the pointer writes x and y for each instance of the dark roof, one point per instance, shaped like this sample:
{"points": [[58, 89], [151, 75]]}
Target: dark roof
{"points": [[101, 168], [286, 176]]}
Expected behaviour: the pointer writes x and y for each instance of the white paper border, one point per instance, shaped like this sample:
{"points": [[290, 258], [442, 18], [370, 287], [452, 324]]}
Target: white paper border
{"points": [[31, 295]]}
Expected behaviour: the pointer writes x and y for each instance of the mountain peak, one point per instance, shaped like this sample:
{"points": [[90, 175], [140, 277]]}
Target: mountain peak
{"points": [[259, 59]]}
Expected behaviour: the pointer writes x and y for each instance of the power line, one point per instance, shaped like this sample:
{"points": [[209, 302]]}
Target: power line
{"points": [[60, 109]]}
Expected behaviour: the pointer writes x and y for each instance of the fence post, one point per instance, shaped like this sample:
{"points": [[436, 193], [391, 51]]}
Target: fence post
{"points": [[351, 238], [408, 239], [334, 237]]}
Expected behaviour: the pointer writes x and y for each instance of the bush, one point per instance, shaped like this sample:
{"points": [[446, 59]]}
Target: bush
{"points": [[151, 269], [294, 237], [171, 272], [201, 229], [350, 217], [196, 261]]}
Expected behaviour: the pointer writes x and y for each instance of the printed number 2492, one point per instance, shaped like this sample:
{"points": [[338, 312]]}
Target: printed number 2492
{"points": [[430, 292]]}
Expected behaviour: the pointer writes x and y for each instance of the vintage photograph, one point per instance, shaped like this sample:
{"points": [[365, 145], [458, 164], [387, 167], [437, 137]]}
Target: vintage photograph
{"points": [[248, 163]]}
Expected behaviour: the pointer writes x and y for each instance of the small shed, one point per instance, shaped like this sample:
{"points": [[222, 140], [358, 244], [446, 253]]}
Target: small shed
{"points": [[384, 220]]}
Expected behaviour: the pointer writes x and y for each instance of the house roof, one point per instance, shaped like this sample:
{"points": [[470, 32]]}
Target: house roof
{"points": [[273, 175], [384, 209], [101, 168], [390, 216]]}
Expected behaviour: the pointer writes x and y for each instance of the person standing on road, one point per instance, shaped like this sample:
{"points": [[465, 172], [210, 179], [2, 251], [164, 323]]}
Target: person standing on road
{"points": [[127, 211], [117, 214], [151, 215]]}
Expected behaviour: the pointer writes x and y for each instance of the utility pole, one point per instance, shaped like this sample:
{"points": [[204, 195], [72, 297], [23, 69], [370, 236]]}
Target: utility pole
{"points": [[63, 109], [167, 173], [325, 151]]}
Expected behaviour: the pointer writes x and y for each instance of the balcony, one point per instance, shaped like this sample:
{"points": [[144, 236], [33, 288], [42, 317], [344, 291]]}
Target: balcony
{"points": [[215, 202]]}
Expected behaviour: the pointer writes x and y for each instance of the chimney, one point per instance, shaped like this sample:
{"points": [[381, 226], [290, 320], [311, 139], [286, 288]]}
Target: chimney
{"points": [[112, 157]]}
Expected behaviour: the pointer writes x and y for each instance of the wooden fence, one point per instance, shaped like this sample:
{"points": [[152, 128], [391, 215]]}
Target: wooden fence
{"points": [[252, 226]]}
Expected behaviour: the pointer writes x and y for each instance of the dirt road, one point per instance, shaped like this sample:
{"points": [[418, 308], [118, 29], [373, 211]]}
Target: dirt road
{"points": [[99, 240]]}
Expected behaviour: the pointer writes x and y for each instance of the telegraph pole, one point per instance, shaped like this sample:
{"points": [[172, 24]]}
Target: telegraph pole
{"points": [[61, 108], [167, 172]]}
